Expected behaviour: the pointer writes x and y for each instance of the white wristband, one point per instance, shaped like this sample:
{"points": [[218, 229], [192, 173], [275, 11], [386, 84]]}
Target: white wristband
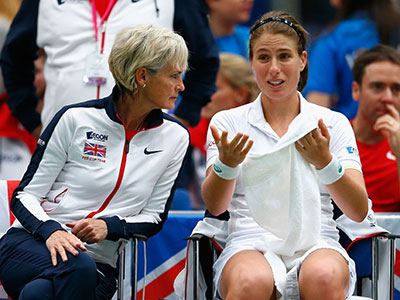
{"points": [[224, 171], [332, 171]]}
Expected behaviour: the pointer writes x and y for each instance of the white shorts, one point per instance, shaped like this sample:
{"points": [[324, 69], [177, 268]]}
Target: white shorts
{"points": [[284, 269]]}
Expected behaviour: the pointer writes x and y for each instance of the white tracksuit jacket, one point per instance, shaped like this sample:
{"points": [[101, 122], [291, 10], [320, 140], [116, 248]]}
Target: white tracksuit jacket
{"points": [[85, 167]]}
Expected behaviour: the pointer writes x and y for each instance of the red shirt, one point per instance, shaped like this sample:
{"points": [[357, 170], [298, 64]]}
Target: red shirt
{"points": [[198, 135], [10, 127], [380, 174]]}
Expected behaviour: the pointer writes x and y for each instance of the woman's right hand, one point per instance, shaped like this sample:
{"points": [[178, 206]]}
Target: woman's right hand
{"points": [[234, 152], [61, 241]]}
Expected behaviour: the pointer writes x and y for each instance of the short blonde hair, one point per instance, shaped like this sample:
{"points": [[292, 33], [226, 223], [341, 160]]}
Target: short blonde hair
{"points": [[236, 70], [145, 46]]}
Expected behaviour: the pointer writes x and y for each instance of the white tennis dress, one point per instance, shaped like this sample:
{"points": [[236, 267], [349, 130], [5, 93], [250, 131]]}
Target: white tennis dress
{"points": [[243, 231]]}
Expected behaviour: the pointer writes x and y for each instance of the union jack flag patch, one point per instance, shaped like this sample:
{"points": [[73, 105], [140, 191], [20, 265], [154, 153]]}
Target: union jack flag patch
{"points": [[97, 150]]}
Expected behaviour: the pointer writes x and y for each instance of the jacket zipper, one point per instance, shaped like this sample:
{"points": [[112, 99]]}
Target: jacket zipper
{"points": [[120, 176]]}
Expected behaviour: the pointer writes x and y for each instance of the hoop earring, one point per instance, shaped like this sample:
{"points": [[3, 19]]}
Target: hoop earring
{"points": [[144, 85]]}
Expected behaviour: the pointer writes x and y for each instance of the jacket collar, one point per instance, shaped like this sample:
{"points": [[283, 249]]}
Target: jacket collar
{"points": [[153, 119]]}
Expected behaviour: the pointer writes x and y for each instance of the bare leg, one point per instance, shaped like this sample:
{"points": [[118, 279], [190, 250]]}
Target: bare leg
{"points": [[247, 275], [324, 274]]}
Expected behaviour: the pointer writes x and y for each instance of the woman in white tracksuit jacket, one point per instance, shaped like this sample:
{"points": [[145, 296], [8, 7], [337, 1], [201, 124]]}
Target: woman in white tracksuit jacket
{"points": [[102, 170]]}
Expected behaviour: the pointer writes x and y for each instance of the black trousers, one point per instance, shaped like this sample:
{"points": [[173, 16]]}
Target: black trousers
{"points": [[26, 272]]}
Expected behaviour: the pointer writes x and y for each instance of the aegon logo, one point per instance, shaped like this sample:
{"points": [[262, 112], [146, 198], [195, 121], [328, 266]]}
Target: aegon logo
{"points": [[96, 136]]}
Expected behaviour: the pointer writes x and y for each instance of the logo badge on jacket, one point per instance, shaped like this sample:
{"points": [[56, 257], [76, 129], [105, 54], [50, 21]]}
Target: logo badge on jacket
{"points": [[96, 136], [94, 152], [352, 150], [148, 152], [60, 2]]}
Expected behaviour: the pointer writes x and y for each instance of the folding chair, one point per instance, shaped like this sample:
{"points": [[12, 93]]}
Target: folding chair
{"points": [[364, 243], [209, 253], [134, 241], [204, 246], [365, 252]]}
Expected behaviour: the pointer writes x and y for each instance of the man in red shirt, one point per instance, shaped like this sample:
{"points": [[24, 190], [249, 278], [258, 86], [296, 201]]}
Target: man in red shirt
{"points": [[376, 87]]}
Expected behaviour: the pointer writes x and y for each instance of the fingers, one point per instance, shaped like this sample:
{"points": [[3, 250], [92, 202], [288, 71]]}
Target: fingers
{"points": [[299, 146], [59, 247], [53, 254], [70, 225], [314, 137], [90, 230], [393, 111], [233, 152], [61, 241], [239, 142], [215, 134], [324, 129], [247, 148]]}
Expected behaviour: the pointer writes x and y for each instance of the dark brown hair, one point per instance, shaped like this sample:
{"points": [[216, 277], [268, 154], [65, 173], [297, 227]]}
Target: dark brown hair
{"points": [[375, 54], [280, 22]]}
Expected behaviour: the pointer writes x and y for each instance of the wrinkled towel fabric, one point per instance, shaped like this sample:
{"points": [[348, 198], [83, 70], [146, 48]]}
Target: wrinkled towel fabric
{"points": [[282, 191]]}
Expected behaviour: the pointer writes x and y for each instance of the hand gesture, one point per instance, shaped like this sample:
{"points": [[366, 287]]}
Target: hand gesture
{"points": [[59, 242], [89, 230], [314, 146], [234, 152], [389, 125]]}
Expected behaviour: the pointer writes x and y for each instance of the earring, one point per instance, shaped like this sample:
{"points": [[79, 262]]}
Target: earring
{"points": [[144, 85]]}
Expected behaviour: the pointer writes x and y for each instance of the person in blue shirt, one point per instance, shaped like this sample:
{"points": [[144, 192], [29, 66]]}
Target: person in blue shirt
{"points": [[360, 24], [226, 17]]}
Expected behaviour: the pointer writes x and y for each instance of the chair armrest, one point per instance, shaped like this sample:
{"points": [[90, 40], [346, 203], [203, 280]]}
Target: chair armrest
{"points": [[139, 237]]}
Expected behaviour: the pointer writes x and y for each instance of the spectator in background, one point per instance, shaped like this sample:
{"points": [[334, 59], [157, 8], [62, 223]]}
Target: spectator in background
{"points": [[16, 144], [376, 88], [360, 23], [236, 86], [225, 19], [77, 36]]}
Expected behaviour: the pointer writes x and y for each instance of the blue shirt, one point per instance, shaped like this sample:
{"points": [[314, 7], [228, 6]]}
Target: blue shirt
{"points": [[237, 43], [332, 56]]}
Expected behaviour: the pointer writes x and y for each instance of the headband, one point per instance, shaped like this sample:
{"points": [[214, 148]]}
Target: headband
{"points": [[276, 19]]}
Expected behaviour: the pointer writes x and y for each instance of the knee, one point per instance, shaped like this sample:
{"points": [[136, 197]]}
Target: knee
{"points": [[252, 285], [322, 281], [84, 266], [38, 289]]}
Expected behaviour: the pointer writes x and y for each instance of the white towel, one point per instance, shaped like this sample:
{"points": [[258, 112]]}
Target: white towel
{"points": [[282, 191]]}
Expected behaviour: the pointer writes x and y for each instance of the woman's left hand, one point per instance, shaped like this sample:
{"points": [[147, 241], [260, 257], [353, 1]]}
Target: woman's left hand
{"points": [[89, 230], [314, 146]]}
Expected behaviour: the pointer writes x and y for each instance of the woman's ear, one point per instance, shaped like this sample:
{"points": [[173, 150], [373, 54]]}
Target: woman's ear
{"points": [[141, 76], [303, 58]]}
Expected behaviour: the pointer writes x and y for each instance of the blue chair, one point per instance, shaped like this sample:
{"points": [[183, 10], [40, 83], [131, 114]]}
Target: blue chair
{"points": [[365, 252], [181, 200]]}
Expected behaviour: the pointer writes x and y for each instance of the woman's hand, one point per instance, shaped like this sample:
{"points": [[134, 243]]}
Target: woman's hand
{"points": [[314, 146], [61, 241], [89, 230], [234, 152]]}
